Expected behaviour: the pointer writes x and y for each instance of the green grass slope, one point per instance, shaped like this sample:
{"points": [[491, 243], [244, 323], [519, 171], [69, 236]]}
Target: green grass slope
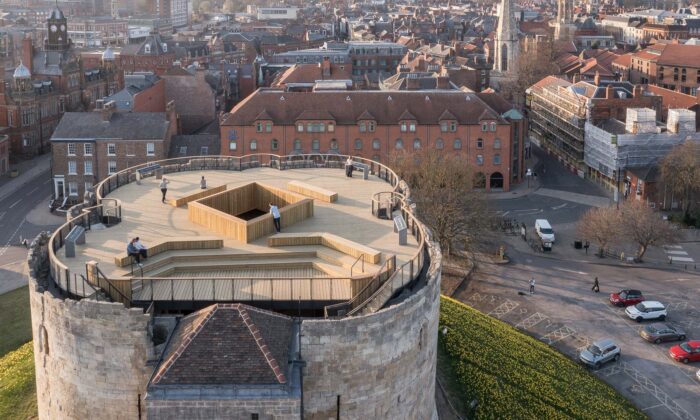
{"points": [[17, 387], [15, 320], [514, 376]]}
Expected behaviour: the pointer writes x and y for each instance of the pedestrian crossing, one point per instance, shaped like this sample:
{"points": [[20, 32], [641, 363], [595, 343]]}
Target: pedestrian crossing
{"points": [[676, 254]]}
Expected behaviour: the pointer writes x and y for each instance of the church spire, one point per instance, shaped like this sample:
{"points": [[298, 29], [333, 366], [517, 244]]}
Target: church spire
{"points": [[506, 42]]}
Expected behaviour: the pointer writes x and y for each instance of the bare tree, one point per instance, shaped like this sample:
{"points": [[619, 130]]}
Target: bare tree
{"points": [[442, 187], [645, 227], [601, 226], [535, 62], [229, 6], [680, 171]]}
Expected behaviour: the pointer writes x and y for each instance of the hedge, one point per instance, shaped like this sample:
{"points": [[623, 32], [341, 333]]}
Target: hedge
{"points": [[514, 376]]}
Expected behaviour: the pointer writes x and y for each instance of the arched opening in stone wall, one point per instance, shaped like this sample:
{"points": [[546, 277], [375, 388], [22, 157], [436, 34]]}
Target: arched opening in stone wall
{"points": [[504, 57], [496, 181]]}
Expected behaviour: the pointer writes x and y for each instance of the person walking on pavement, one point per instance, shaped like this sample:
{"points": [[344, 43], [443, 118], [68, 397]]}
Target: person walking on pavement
{"points": [[275, 212], [532, 286], [203, 183], [596, 286], [164, 187]]}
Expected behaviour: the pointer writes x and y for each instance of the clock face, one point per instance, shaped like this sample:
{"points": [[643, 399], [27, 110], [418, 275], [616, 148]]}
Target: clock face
{"points": [[53, 28], [63, 27]]}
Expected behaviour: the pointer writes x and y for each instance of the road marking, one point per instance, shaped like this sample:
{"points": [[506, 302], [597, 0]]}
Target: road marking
{"points": [[3, 250], [558, 335], [505, 213], [559, 207], [503, 308], [531, 321], [681, 259], [677, 252], [570, 271], [15, 203], [30, 192], [673, 246], [2, 215], [47, 181]]}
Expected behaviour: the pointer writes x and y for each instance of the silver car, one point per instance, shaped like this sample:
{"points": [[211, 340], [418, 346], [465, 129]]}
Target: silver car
{"points": [[602, 351]]}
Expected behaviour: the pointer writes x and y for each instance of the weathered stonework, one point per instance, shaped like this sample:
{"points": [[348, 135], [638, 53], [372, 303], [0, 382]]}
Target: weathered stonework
{"points": [[90, 356], [381, 365], [282, 409]]}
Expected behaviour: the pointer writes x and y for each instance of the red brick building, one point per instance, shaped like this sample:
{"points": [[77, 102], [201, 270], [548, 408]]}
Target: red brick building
{"points": [[377, 124], [671, 66]]}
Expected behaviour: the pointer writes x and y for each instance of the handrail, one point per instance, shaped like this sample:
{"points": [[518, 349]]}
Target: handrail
{"points": [[373, 285], [240, 163], [361, 257], [111, 287]]}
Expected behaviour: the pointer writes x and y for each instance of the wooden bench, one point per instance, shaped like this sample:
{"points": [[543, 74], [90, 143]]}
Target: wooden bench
{"points": [[173, 244], [178, 202], [328, 240], [312, 191]]}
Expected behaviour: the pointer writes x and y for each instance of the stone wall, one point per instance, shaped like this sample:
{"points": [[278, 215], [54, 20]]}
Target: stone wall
{"points": [[270, 409], [90, 356], [382, 366]]}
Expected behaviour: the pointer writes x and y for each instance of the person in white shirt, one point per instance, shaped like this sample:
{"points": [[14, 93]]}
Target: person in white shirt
{"points": [[275, 212], [349, 167], [164, 187], [532, 286], [203, 183]]}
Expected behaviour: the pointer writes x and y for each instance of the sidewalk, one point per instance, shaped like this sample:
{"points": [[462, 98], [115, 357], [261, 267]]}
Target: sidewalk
{"points": [[522, 189], [28, 170]]}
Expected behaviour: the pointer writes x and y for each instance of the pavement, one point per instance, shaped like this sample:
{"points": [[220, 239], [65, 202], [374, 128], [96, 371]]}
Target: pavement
{"points": [[564, 312], [24, 212]]}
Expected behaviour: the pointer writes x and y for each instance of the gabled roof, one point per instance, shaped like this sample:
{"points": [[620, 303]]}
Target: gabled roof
{"points": [[447, 115], [263, 115], [121, 126], [406, 116], [227, 344], [311, 114], [487, 115], [365, 116]]}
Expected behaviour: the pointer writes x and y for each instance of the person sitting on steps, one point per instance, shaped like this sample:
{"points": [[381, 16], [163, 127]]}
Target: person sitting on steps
{"points": [[136, 250]]}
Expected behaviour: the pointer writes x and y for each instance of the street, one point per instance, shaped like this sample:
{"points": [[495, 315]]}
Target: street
{"points": [[566, 314], [23, 214]]}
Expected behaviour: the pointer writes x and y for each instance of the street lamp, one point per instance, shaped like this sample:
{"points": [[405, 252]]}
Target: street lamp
{"points": [[528, 174]]}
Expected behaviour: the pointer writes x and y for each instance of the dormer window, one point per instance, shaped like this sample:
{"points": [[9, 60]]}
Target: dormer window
{"points": [[363, 126], [263, 126], [408, 126], [448, 126]]}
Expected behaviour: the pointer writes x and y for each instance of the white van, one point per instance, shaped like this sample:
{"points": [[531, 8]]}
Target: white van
{"points": [[544, 230]]}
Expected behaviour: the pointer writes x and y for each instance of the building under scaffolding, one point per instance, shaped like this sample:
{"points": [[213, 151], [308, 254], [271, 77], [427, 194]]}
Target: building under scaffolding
{"points": [[613, 147]]}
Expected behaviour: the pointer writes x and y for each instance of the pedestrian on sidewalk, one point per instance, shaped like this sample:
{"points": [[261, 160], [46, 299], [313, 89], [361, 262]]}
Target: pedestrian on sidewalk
{"points": [[275, 212], [164, 187], [203, 183], [596, 286], [586, 245], [532, 286]]}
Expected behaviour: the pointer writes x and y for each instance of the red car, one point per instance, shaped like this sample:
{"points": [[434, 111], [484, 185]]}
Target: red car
{"points": [[626, 297], [686, 352]]}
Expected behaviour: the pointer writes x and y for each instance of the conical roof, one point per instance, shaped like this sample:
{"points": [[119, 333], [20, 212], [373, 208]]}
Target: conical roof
{"points": [[108, 54], [56, 13], [22, 72]]}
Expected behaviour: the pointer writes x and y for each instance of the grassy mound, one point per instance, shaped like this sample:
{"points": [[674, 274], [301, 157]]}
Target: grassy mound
{"points": [[15, 320], [514, 376], [17, 387]]}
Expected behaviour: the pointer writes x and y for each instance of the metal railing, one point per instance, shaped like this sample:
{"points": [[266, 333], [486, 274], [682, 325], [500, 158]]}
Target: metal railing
{"points": [[360, 258], [395, 277], [344, 308]]}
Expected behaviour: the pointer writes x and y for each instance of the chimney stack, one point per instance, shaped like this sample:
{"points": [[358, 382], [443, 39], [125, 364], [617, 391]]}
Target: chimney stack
{"points": [[637, 92], [596, 79], [443, 82], [107, 111], [609, 92], [28, 53], [326, 67]]}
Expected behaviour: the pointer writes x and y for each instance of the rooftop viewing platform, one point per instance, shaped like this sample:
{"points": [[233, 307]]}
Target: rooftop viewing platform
{"points": [[337, 242]]}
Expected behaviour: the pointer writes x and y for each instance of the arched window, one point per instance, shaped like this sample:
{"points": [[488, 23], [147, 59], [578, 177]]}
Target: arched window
{"points": [[479, 143], [497, 159], [399, 144], [416, 144], [253, 145], [497, 144], [439, 144], [376, 144], [334, 144], [315, 145], [504, 57], [458, 144], [358, 144], [297, 144], [275, 144], [375, 158], [493, 126]]}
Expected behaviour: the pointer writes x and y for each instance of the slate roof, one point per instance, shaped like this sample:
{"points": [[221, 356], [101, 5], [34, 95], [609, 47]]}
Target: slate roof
{"points": [[226, 344], [193, 144], [345, 107], [126, 126]]}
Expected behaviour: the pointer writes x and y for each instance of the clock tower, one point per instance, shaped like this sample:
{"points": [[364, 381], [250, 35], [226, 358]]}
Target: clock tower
{"points": [[58, 31]]}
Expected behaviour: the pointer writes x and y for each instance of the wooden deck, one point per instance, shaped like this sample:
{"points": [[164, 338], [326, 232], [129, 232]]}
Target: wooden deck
{"points": [[145, 216]]}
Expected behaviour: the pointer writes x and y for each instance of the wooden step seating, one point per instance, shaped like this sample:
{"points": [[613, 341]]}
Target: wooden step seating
{"points": [[328, 240], [271, 268], [312, 191], [172, 244], [178, 202]]}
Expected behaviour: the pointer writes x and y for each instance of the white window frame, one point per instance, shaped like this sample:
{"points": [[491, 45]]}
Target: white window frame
{"points": [[111, 149], [110, 164], [87, 167], [73, 188], [72, 167], [150, 149], [72, 149], [480, 160], [233, 145], [87, 149]]}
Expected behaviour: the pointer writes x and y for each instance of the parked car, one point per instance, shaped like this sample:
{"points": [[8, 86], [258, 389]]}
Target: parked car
{"points": [[602, 351], [686, 352], [658, 332], [544, 230], [649, 309], [698, 374], [626, 297]]}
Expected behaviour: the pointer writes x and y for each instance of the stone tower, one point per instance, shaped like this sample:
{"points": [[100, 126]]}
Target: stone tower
{"points": [[564, 26], [506, 43], [58, 31]]}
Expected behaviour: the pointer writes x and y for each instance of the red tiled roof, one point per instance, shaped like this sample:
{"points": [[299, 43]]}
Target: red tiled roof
{"points": [[680, 55], [550, 81], [672, 98], [624, 60], [387, 107]]}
